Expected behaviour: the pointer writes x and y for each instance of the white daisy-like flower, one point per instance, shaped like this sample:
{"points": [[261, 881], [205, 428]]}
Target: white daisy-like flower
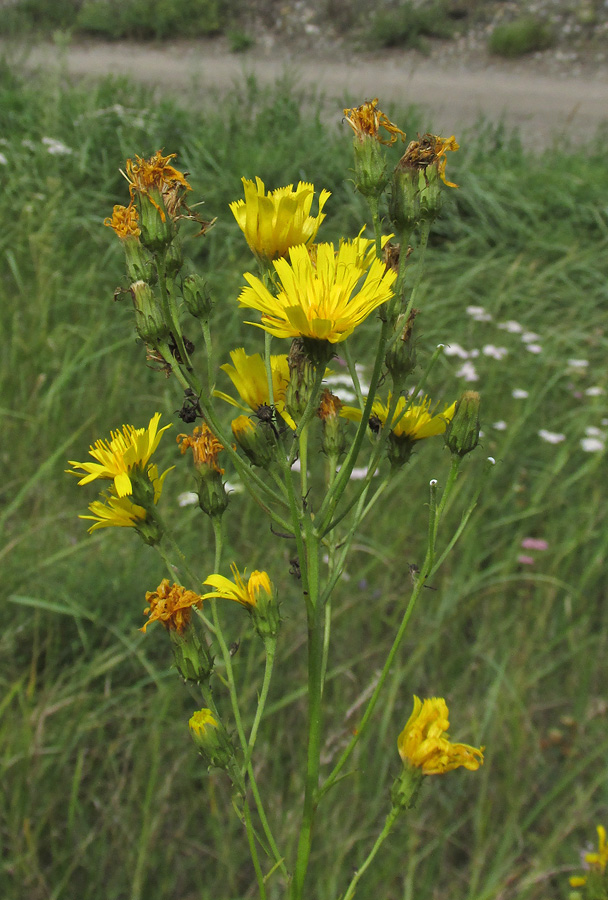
{"points": [[500, 426], [592, 444], [511, 326], [551, 437], [592, 431], [56, 148], [468, 372], [495, 352], [455, 349], [529, 337], [519, 393], [595, 391], [479, 314], [534, 348], [578, 363]]}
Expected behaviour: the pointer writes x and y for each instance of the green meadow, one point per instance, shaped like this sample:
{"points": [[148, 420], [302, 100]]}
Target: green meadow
{"points": [[103, 796]]}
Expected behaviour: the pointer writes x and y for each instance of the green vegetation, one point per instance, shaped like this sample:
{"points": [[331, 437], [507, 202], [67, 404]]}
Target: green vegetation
{"points": [[525, 35], [239, 41], [409, 24], [103, 794]]}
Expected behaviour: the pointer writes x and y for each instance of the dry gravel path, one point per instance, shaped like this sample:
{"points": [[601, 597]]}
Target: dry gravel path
{"points": [[543, 106]]}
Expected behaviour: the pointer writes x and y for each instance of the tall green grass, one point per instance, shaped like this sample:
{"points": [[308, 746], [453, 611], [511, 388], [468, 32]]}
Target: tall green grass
{"points": [[103, 796]]}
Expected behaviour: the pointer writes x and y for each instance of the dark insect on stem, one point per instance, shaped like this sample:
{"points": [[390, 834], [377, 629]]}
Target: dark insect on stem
{"points": [[191, 407]]}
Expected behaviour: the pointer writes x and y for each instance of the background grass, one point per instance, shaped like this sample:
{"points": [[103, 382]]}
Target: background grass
{"points": [[103, 795]]}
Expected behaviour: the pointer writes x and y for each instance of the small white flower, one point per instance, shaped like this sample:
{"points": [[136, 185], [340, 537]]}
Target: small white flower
{"points": [[56, 148], [468, 372], [473, 354], [360, 472], [578, 363], [534, 348], [455, 350], [519, 393], [529, 337], [479, 314], [188, 498], [3, 160], [592, 431], [592, 444], [347, 396], [594, 391], [511, 326], [234, 487], [500, 426], [551, 437], [339, 378], [495, 352]]}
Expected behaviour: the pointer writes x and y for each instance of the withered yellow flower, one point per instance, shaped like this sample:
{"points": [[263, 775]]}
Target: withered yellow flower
{"points": [[245, 594], [320, 298], [429, 150], [145, 176], [204, 445], [124, 455], [425, 745], [171, 605], [417, 422], [122, 512], [125, 221], [275, 221], [367, 119]]}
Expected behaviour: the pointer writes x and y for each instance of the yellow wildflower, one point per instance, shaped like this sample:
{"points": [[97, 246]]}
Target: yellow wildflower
{"points": [[416, 423], [320, 299], [597, 862], [125, 454], [248, 375], [171, 605], [245, 594], [425, 745], [125, 221], [121, 512], [366, 120], [278, 220], [204, 445], [429, 150]]}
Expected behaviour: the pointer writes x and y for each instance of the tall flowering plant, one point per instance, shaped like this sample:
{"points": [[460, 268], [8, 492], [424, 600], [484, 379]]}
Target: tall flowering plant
{"points": [[305, 299]]}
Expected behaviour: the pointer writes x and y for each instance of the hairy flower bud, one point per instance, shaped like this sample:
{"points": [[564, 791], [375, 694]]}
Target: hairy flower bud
{"points": [[211, 739], [462, 433]]}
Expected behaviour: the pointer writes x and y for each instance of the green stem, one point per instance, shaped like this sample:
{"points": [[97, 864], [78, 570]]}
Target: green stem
{"points": [[209, 348], [170, 310], [315, 690], [374, 205], [425, 228], [254, 851], [270, 646], [388, 827], [418, 586]]}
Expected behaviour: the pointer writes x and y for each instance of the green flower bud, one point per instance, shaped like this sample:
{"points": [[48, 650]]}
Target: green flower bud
{"points": [[191, 655], [149, 321], [462, 432], [197, 297], [157, 227], [255, 440]]}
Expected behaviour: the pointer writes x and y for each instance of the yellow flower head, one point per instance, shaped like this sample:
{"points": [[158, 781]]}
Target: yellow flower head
{"points": [[417, 422], [204, 445], [320, 297], [146, 176], [367, 119], [248, 375], [121, 456], [274, 222], [424, 743], [245, 594], [121, 512], [171, 605], [201, 721], [429, 150], [125, 221]]}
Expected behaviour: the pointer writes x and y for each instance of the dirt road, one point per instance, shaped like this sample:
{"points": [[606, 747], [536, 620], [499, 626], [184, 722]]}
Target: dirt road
{"points": [[543, 107]]}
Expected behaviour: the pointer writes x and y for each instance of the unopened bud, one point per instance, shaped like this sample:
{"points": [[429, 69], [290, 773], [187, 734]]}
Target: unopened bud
{"points": [[196, 297], [149, 321], [401, 358], [333, 441], [301, 379], [370, 167], [462, 433], [255, 441], [191, 655], [157, 227], [265, 611]]}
